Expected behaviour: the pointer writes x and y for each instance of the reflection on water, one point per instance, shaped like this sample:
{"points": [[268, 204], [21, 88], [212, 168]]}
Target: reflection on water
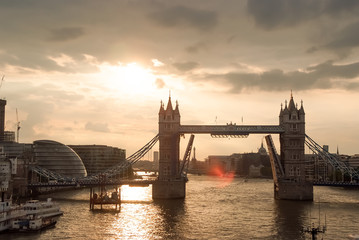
{"points": [[140, 194], [291, 217], [213, 209], [172, 216]]}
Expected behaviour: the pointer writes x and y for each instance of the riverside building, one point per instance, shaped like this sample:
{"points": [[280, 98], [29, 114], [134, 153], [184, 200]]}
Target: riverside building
{"points": [[98, 158]]}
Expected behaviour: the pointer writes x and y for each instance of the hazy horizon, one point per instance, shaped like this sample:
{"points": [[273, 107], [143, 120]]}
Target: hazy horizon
{"points": [[95, 72]]}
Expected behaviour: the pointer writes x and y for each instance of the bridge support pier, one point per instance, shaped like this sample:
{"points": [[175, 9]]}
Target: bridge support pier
{"points": [[169, 189], [294, 191]]}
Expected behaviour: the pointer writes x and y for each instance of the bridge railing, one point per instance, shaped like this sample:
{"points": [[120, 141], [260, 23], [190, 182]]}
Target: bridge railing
{"points": [[110, 172], [50, 175], [120, 168], [331, 158]]}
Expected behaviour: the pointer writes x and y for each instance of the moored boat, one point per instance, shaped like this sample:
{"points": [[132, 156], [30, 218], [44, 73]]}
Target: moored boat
{"points": [[8, 214], [38, 215]]}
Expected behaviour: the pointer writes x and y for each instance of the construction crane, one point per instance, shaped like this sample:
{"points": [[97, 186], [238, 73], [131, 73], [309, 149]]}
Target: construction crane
{"points": [[2, 79], [17, 126]]}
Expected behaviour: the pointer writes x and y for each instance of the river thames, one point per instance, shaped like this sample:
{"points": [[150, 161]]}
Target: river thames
{"points": [[214, 208]]}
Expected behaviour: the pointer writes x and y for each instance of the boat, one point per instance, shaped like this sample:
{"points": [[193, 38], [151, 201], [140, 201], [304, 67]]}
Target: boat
{"points": [[8, 214], [38, 216]]}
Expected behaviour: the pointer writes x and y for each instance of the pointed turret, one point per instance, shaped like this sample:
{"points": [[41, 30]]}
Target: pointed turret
{"points": [[169, 107], [291, 105], [176, 111], [281, 110], [162, 110], [301, 110], [285, 113]]}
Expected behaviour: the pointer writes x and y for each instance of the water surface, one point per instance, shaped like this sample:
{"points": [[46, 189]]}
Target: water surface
{"points": [[214, 208]]}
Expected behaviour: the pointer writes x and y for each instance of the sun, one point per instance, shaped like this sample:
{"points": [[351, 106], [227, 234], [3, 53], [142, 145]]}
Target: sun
{"points": [[129, 78]]}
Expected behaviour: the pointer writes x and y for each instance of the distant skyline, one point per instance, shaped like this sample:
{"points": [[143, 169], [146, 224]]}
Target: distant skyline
{"points": [[94, 72]]}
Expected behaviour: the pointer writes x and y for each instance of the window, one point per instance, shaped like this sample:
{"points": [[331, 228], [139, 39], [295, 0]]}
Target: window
{"points": [[291, 171], [166, 171], [294, 142], [294, 127]]}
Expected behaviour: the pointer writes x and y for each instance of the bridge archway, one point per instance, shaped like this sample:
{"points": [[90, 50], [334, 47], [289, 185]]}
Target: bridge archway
{"points": [[288, 170]]}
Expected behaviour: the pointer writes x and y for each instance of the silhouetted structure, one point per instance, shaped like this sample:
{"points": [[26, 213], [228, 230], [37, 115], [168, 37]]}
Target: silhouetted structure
{"points": [[98, 158], [291, 182], [294, 184]]}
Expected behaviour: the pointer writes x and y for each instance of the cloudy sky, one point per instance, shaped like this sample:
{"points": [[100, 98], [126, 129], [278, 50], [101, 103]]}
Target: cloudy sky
{"points": [[94, 72]]}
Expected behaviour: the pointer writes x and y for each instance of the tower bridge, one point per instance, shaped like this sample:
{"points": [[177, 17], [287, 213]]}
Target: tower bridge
{"points": [[288, 167], [290, 182]]}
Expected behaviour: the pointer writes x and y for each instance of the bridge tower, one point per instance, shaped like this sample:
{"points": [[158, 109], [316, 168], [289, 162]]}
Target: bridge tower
{"points": [[170, 183], [293, 185]]}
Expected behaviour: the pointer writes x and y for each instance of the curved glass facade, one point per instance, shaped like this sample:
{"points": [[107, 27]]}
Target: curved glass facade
{"points": [[59, 158]]}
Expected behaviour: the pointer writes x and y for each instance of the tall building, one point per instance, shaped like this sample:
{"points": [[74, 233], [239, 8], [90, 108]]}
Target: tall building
{"points": [[98, 158], [155, 160], [2, 119]]}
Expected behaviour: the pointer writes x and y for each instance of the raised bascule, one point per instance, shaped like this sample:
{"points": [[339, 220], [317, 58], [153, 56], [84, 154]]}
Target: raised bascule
{"points": [[288, 169]]}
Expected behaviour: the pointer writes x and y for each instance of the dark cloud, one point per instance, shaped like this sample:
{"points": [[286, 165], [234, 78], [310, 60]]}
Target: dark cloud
{"points": [[185, 66], [328, 70], [346, 38], [336, 7], [66, 33], [321, 76], [285, 13], [184, 16]]}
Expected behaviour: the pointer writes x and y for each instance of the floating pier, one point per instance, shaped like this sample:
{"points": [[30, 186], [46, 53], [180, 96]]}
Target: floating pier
{"points": [[103, 198]]}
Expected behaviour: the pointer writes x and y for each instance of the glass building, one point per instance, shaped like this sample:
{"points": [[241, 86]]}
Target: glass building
{"points": [[59, 158]]}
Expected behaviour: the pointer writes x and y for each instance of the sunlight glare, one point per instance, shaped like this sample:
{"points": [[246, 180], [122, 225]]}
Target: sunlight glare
{"points": [[135, 193], [129, 78]]}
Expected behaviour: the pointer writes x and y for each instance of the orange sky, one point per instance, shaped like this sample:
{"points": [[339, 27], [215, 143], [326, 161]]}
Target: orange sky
{"points": [[94, 72]]}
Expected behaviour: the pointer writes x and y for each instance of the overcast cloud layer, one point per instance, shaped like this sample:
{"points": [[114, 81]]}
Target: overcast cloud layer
{"points": [[281, 38], [52, 51]]}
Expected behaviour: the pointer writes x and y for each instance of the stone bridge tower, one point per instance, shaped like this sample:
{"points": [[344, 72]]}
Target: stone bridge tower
{"points": [[294, 184], [168, 124], [170, 183]]}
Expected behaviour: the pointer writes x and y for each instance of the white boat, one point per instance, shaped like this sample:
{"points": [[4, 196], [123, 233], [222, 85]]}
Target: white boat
{"points": [[38, 215], [8, 214]]}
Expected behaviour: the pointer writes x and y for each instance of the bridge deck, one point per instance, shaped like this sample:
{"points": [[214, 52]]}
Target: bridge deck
{"points": [[337, 184], [93, 183], [231, 129]]}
